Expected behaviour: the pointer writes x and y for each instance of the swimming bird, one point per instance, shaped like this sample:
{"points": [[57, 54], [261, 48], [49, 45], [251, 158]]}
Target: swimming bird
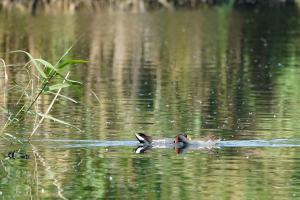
{"points": [[181, 142], [143, 138], [182, 139]]}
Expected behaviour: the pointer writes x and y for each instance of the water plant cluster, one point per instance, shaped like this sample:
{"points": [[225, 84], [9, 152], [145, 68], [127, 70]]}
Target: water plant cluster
{"points": [[42, 78]]}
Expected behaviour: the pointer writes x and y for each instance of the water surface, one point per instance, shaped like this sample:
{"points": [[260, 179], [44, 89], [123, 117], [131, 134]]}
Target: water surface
{"points": [[232, 72]]}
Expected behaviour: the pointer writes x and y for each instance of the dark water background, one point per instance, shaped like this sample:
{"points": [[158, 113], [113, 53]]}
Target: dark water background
{"points": [[232, 72]]}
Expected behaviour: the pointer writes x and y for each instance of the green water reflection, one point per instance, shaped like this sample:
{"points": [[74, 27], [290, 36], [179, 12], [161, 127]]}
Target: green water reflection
{"points": [[233, 72], [118, 173]]}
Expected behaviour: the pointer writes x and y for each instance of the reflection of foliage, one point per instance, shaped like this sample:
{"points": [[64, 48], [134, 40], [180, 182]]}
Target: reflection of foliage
{"points": [[201, 71], [128, 5], [264, 54], [213, 74]]}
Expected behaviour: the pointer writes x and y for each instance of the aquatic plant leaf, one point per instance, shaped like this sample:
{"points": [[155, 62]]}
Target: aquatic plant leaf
{"points": [[4, 110], [64, 97], [46, 63], [57, 86], [71, 62], [72, 82], [56, 120], [37, 66], [13, 137], [49, 66]]}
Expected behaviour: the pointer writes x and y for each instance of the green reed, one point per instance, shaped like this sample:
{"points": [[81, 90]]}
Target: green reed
{"points": [[51, 79]]}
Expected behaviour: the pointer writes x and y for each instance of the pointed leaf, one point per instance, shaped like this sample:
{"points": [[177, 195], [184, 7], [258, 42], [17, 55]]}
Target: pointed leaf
{"points": [[72, 82], [4, 110], [57, 86], [64, 97], [13, 137], [46, 63], [56, 120], [71, 62], [37, 66]]}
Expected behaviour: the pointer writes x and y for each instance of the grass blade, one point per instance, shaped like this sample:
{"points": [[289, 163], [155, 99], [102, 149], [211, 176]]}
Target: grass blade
{"points": [[37, 66], [13, 137], [71, 62], [4, 110], [45, 63], [72, 82], [56, 120], [5, 73], [56, 87], [64, 97]]}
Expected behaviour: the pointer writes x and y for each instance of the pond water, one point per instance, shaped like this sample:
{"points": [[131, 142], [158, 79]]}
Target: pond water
{"points": [[227, 71]]}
